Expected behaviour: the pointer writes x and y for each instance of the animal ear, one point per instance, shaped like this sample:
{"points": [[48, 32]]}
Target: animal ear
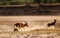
{"points": [[54, 19]]}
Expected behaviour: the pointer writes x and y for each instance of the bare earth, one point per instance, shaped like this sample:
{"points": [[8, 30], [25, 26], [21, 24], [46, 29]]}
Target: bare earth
{"points": [[34, 22]]}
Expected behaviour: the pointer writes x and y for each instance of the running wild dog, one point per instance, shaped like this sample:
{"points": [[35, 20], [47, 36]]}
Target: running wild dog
{"points": [[20, 25], [52, 24]]}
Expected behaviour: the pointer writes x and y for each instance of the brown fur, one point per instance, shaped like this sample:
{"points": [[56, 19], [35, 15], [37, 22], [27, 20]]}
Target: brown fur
{"points": [[21, 25], [52, 24]]}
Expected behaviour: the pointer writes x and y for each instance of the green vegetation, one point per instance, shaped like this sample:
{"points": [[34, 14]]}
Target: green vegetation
{"points": [[18, 2]]}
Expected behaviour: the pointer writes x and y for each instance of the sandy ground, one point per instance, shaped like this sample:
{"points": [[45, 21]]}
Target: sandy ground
{"points": [[34, 22]]}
